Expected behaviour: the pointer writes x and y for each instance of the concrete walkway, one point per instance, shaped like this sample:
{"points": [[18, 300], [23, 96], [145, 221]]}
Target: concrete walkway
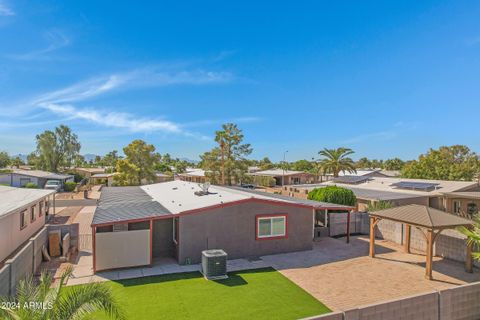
{"points": [[343, 276], [83, 273]]}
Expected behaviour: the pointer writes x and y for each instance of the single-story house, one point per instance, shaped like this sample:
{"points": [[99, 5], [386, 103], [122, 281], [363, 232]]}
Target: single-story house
{"points": [[103, 178], [19, 178], [458, 197], [135, 226], [286, 177], [162, 177], [193, 175], [22, 214], [89, 172]]}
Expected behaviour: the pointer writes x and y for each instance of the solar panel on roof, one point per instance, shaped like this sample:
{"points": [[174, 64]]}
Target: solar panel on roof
{"points": [[351, 179], [426, 186]]}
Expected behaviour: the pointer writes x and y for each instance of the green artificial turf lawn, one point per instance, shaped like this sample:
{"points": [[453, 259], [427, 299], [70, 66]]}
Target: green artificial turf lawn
{"points": [[251, 294]]}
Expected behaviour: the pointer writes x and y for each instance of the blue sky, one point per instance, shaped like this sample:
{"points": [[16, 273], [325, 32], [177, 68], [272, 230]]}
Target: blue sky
{"points": [[386, 78]]}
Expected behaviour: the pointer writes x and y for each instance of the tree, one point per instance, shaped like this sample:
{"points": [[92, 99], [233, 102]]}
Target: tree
{"points": [[17, 162], [4, 159], [473, 235], [336, 160], [139, 164], [379, 205], [394, 164], [110, 159], [55, 149], [59, 303], [210, 162], [333, 194], [266, 164], [455, 162], [227, 160], [33, 160], [302, 165], [363, 163]]}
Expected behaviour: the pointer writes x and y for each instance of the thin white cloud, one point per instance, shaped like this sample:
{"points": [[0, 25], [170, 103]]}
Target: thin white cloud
{"points": [[67, 102], [114, 119], [5, 10], [55, 39], [382, 135]]}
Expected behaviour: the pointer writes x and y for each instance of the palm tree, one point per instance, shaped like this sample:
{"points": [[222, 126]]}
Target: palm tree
{"points": [[336, 160], [473, 235], [38, 300]]}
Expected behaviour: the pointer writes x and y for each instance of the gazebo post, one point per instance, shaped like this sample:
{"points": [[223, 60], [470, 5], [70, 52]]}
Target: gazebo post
{"points": [[373, 223], [348, 227], [429, 252], [408, 232], [468, 258]]}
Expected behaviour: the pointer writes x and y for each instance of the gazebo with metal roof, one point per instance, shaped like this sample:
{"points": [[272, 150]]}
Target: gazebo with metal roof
{"points": [[431, 222]]}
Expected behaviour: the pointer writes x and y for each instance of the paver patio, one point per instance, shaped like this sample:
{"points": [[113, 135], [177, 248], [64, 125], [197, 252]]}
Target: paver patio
{"points": [[343, 276]]}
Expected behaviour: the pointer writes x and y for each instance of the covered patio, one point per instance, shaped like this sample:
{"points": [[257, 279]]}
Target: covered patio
{"points": [[431, 222]]}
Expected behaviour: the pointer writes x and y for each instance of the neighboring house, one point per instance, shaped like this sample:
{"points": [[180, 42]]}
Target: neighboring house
{"points": [[193, 175], [22, 213], [135, 226], [463, 203], [286, 177], [457, 197], [371, 173], [162, 177], [19, 178], [89, 172], [103, 178]]}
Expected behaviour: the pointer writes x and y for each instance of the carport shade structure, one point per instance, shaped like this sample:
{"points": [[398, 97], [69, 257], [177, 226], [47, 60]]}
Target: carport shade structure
{"points": [[431, 222]]}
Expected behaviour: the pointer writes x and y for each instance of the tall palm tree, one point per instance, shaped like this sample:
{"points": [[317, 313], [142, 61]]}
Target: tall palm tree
{"points": [[336, 160], [55, 303]]}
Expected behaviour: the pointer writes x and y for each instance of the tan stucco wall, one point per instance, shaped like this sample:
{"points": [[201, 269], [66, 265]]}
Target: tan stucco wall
{"points": [[463, 204], [232, 228], [122, 249], [11, 237]]}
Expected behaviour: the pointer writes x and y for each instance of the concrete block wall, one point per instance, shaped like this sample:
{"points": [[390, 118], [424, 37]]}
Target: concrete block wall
{"points": [[338, 223], [73, 229], [328, 316], [24, 263], [460, 302], [38, 241], [457, 303], [5, 280], [21, 265], [449, 244]]}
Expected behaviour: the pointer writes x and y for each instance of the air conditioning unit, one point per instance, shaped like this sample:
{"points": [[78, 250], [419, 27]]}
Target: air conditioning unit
{"points": [[214, 264]]}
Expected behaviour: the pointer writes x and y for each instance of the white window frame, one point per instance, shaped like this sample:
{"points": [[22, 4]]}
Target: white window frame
{"points": [[25, 216], [271, 235], [457, 209]]}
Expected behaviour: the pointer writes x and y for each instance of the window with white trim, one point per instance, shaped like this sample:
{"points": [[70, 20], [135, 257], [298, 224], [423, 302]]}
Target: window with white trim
{"points": [[271, 227], [457, 205]]}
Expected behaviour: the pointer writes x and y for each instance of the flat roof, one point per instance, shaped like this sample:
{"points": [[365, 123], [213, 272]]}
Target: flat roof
{"points": [[15, 198], [466, 194], [276, 173], [39, 174], [118, 204], [387, 184]]}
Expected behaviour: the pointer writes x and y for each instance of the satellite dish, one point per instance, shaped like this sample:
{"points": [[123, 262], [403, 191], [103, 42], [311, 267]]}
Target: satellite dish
{"points": [[205, 187]]}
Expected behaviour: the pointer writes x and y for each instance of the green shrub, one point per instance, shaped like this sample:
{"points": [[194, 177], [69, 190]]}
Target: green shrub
{"points": [[264, 181], [31, 185], [379, 205], [333, 194], [69, 186]]}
